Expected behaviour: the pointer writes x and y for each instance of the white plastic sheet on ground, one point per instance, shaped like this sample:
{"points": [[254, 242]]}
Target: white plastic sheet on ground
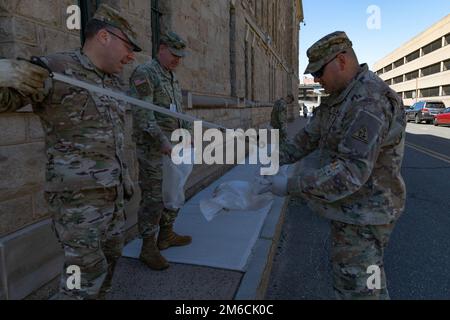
{"points": [[236, 195]]}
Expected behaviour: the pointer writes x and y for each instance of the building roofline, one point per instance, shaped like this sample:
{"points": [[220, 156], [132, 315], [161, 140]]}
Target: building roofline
{"points": [[300, 13], [442, 21]]}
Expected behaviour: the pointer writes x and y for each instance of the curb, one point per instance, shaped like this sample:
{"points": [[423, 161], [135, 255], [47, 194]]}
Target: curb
{"points": [[255, 281]]}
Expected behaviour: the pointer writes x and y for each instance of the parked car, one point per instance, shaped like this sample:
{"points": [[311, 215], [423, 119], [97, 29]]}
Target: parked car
{"points": [[424, 111], [443, 118]]}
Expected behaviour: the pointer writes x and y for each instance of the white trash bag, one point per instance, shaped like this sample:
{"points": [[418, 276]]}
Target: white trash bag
{"points": [[174, 179]]}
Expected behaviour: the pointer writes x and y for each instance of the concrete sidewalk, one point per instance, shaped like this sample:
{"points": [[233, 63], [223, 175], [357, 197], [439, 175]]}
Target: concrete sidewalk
{"points": [[134, 281]]}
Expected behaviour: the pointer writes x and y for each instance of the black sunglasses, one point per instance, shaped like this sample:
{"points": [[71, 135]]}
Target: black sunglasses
{"points": [[129, 45], [319, 73]]}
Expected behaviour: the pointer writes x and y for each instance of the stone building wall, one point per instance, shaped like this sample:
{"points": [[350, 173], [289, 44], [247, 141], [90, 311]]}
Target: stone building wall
{"points": [[232, 76]]}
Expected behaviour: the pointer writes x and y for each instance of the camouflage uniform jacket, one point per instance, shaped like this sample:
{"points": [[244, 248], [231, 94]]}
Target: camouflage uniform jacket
{"points": [[278, 118], [153, 83], [351, 152], [84, 131]]}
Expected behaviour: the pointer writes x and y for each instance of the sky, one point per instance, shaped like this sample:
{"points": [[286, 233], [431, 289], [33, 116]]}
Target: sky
{"points": [[400, 21]]}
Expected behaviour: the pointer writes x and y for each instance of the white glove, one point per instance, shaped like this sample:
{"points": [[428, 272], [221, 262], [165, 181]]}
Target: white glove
{"points": [[22, 76], [279, 185], [276, 184], [261, 185]]}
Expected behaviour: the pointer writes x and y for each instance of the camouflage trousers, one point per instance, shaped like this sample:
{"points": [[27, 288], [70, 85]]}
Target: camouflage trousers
{"points": [[89, 225], [152, 213], [355, 250]]}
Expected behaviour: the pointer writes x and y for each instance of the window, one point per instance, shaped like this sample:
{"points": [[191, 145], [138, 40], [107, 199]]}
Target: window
{"points": [[435, 105], [434, 68], [379, 72], [418, 105], [388, 68], [87, 8], [447, 65], [399, 63], [446, 90], [410, 94], [447, 40], [413, 56], [432, 46], [156, 26], [429, 92], [412, 75], [388, 82], [398, 79]]}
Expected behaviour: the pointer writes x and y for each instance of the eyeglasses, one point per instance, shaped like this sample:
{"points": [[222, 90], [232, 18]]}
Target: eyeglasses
{"points": [[319, 73], [129, 46]]}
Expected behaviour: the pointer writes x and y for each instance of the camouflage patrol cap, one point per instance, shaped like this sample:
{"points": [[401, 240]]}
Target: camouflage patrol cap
{"points": [[113, 18], [175, 43], [326, 49]]}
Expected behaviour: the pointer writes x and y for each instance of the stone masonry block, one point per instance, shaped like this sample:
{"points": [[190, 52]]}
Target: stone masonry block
{"points": [[6, 29], [25, 31], [40, 207], [35, 129], [51, 40], [7, 6], [23, 166], [15, 214], [140, 8], [16, 49], [44, 11], [29, 258], [13, 129]]}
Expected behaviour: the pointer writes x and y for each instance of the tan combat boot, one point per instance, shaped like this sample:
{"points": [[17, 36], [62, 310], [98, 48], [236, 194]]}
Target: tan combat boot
{"points": [[167, 238], [151, 256]]}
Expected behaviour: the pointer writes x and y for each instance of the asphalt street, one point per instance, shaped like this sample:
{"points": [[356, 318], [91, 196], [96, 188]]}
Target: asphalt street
{"points": [[417, 260]]}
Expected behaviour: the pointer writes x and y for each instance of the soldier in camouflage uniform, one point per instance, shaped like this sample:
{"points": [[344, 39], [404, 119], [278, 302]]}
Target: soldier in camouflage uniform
{"points": [[351, 153], [156, 82], [278, 118], [279, 115], [86, 176]]}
